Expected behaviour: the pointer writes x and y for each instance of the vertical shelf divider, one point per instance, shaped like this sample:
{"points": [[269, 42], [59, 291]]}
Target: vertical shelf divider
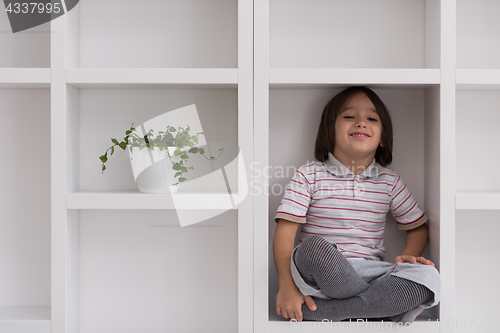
{"points": [[246, 256], [65, 297], [261, 159], [447, 164]]}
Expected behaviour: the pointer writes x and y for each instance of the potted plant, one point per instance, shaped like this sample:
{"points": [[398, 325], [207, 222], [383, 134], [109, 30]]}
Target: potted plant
{"points": [[161, 167]]}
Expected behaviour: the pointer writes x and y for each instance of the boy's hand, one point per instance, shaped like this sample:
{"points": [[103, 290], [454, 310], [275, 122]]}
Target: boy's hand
{"points": [[289, 303], [412, 259]]}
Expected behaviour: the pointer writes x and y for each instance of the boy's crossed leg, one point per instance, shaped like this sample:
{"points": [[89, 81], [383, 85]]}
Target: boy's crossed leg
{"points": [[320, 262]]}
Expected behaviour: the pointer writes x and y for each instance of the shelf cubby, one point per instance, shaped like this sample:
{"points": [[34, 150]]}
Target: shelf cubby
{"points": [[413, 110], [476, 140], [158, 283], [475, 282], [477, 29], [354, 34], [99, 114], [129, 34], [18, 49], [25, 204]]}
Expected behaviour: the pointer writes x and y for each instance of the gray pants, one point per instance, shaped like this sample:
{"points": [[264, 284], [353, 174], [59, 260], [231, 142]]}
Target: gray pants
{"points": [[341, 292]]}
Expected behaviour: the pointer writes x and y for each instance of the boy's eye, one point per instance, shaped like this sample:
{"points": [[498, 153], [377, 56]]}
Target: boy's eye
{"points": [[372, 119], [348, 117]]}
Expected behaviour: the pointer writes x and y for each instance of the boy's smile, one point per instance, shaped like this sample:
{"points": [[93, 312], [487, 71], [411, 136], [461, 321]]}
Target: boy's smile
{"points": [[358, 132]]}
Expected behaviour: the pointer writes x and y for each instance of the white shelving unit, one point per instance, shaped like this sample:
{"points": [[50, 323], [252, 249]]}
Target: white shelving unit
{"points": [[98, 256], [306, 52], [121, 262], [25, 177], [478, 202]]}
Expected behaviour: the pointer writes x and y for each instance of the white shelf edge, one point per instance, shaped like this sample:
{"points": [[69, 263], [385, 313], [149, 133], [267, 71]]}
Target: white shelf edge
{"points": [[23, 320], [479, 77], [365, 327], [24, 77], [137, 200], [300, 76], [25, 327], [24, 314], [477, 200], [424, 323], [120, 77]]}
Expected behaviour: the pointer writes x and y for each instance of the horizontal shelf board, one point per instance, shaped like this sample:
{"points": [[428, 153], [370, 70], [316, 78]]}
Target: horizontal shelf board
{"points": [[137, 200], [24, 77], [478, 79], [279, 77], [25, 327], [23, 320], [424, 323], [477, 200], [152, 77], [25, 314]]}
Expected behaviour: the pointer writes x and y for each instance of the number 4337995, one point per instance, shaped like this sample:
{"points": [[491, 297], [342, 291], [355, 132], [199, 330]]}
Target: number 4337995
{"points": [[33, 7]]}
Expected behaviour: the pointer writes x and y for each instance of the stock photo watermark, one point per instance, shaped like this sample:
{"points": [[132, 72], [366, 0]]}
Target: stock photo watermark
{"points": [[25, 15], [456, 324], [265, 180]]}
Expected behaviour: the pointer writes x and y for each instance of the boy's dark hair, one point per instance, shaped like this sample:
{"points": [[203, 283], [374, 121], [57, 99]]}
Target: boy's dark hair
{"points": [[325, 141]]}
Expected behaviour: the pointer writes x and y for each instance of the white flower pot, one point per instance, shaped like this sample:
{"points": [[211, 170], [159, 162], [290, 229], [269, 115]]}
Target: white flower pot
{"points": [[152, 169]]}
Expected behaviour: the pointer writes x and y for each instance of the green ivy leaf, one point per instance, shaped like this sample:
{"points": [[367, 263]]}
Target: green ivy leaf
{"points": [[202, 151], [178, 152], [112, 150], [184, 169], [195, 139], [176, 166], [182, 179], [191, 168], [193, 150], [123, 145], [103, 167], [178, 174], [115, 141]]}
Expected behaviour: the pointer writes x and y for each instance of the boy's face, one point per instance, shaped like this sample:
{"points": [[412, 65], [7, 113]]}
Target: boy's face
{"points": [[358, 129]]}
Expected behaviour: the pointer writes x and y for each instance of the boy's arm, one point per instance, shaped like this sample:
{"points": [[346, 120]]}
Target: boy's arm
{"points": [[416, 239], [289, 299], [283, 244]]}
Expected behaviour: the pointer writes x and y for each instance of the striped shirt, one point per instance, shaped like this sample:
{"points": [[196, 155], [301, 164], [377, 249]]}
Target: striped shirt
{"points": [[349, 210]]}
